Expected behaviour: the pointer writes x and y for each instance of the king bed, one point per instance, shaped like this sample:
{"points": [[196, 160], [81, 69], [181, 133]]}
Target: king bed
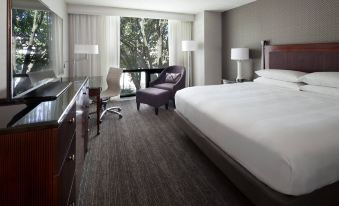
{"points": [[279, 146]]}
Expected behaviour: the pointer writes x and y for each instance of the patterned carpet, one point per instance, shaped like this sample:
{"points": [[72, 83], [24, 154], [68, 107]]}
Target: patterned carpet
{"points": [[144, 159]]}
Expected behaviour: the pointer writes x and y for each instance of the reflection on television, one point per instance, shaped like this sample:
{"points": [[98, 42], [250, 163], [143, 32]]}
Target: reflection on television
{"points": [[36, 46]]}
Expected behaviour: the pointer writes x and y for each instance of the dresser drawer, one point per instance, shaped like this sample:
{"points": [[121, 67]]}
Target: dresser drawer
{"points": [[67, 175], [65, 134]]}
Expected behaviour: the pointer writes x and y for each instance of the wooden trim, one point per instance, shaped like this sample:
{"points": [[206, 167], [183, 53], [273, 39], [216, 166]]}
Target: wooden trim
{"points": [[303, 57]]}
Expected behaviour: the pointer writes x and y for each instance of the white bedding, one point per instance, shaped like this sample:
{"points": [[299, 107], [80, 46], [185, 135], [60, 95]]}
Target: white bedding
{"points": [[288, 139]]}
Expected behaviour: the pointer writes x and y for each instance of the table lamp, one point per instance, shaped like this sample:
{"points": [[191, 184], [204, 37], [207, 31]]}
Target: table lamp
{"points": [[239, 54]]}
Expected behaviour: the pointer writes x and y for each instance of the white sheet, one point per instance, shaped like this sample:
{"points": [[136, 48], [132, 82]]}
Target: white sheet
{"points": [[288, 139]]}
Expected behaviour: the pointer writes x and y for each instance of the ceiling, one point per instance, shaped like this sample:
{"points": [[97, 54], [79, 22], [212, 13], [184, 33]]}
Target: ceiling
{"points": [[178, 6]]}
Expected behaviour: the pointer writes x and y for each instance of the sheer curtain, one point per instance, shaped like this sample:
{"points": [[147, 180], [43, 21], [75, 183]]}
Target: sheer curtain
{"points": [[90, 29], [56, 48], [177, 32]]}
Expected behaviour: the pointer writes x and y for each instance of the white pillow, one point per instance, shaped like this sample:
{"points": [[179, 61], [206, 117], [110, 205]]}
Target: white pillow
{"points": [[326, 79], [290, 85], [282, 75], [321, 90]]}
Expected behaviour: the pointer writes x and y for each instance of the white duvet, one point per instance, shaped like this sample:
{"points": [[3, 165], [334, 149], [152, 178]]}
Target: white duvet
{"points": [[288, 139]]}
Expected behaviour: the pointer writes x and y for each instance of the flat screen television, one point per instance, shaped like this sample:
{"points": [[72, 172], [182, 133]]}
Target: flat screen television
{"points": [[36, 51]]}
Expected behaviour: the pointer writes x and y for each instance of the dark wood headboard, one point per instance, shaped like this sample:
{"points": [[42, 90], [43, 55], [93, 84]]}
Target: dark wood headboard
{"points": [[303, 57]]}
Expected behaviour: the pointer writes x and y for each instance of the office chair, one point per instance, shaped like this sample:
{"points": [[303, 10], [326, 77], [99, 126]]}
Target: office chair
{"points": [[113, 89]]}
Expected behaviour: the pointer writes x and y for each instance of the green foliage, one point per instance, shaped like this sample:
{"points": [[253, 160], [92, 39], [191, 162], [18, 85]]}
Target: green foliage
{"points": [[143, 44], [31, 35]]}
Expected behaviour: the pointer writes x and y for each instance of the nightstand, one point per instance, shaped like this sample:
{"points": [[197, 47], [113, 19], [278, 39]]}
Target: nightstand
{"points": [[226, 81]]}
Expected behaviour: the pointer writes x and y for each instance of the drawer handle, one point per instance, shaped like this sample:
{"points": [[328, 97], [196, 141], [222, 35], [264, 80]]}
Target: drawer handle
{"points": [[71, 121], [71, 157]]}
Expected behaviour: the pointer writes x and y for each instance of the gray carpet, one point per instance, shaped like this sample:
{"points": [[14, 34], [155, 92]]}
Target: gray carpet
{"points": [[144, 159]]}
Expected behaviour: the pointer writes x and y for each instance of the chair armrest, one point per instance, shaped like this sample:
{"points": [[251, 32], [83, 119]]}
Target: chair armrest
{"points": [[180, 83]]}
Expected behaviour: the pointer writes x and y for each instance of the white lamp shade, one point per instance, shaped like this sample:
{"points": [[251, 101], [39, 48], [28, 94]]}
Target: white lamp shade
{"points": [[239, 53], [189, 45], [86, 49]]}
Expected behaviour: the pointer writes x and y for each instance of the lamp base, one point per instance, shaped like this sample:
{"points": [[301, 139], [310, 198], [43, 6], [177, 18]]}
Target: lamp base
{"points": [[239, 72]]}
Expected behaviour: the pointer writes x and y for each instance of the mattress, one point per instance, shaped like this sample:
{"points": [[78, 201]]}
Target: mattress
{"points": [[288, 139]]}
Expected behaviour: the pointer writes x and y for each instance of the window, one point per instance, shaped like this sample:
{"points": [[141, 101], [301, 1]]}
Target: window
{"points": [[143, 45]]}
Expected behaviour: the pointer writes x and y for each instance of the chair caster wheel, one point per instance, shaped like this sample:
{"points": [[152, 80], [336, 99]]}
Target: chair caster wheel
{"points": [[120, 117], [119, 110]]}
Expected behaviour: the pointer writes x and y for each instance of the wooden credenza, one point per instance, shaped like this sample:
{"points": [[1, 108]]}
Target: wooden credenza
{"points": [[42, 154]]}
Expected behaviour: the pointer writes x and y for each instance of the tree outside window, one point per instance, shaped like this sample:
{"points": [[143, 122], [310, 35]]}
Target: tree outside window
{"points": [[143, 45]]}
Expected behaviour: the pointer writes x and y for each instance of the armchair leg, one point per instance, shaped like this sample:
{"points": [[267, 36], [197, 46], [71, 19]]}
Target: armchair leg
{"points": [[166, 105], [138, 106], [156, 110]]}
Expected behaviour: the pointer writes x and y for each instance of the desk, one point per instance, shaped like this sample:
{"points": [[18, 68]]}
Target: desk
{"points": [[95, 86]]}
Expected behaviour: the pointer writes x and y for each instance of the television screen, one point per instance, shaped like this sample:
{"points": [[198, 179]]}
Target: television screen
{"points": [[36, 46]]}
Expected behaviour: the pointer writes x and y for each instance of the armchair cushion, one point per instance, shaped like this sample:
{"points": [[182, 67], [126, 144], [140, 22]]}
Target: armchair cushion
{"points": [[166, 86], [172, 77]]}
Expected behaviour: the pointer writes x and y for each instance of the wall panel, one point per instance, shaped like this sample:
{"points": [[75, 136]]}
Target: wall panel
{"points": [[281, 22]]}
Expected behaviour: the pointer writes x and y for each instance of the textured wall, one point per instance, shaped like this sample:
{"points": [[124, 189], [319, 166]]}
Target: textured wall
{"points": [[281, 22], [199, 55], [207, 59], [213, 49]]}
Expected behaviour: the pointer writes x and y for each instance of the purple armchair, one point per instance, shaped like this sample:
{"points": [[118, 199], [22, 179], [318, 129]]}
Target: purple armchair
{"points": [[160, 82]]}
